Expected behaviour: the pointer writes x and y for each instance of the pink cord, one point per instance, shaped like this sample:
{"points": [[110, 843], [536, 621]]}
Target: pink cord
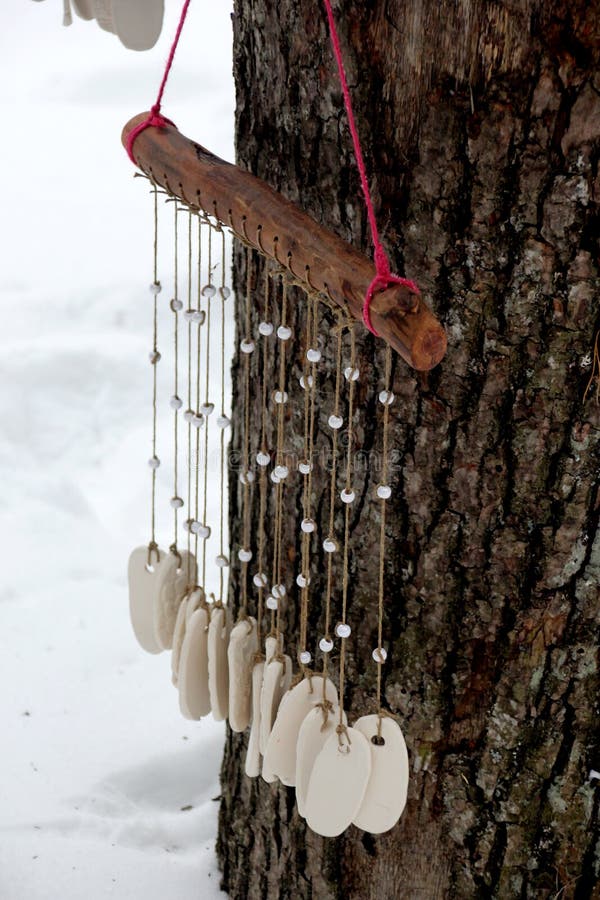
{"points": [[384, 278], [155, 118]]}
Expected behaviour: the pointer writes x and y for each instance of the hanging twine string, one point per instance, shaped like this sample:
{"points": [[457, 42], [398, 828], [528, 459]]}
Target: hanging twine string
{"points": [[348, 488], [153, 546], [209, 294], [260, 579], [174, 307], [222, 475], [155, 118], [246, 435], [386, 423], [198, 362], [279, 461], [383, 277]]}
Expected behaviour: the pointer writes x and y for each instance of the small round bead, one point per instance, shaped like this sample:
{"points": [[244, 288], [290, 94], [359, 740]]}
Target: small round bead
{"points": [[187, 525], [222, 561], [271, 602], [260, 580], [154, 462], [386, 397], [279, 591], [223, 422], [209, 290], [203, 531], [335, 422], [302, 580], [197, 420], [326, 645], [189, 314], [207, 408], [384, 491], [343, 630], [306, 382], [280, 397], [284, 333], [304, 467], [348, 496], [351, 374], [281, 472], [246, 477], [247, 346], [154, 357], [262, 458], [329, 545], [274, 478], [199, 317], [265, 328], [308, 525], [176, 305], [225, 292], [188, 415], [155, 287], [305, 658], [313, 355], [244, 555], [175, 402], [176, 502], [379, 654]]}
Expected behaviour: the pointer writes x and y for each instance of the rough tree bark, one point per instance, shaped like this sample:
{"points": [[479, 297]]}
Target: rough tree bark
{"points": [[481, 125]]}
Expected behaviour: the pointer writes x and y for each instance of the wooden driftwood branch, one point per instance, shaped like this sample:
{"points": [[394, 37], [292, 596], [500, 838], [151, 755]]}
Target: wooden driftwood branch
{"points": [[316, 257]]}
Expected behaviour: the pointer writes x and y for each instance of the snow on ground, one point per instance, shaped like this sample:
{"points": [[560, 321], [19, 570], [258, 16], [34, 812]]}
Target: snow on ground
{"points": [[105, 790]]}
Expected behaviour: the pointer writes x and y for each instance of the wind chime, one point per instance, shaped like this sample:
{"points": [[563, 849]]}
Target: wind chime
{"points": [[299, 728]]}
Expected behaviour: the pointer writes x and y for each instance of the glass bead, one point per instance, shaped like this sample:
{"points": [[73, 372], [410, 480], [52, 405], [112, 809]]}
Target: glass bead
{"points": [[329, 545], [313, 355], [326, 645], [343, 630], [386, 397], [222, 561], [207, 408], [209, 290], [384, 491], [281, 472], [223, 422], [203, 531], [175, 402], [247, 346], [265, 328], [197, 420], [305, 657], [260, 580], [176, 502], [379, 654], [199, 317], [348, 496], [335, 422], [302, 580], [279, 591], [155, 287], [304, 467], [154, 357], [308, 525], [262, 458], [188, 415], [306, 382], [351, 374], [176, 305], [187, 525], [244, 555], [189, 314], [225, 292], [154, 462], [271, 602], [280, 397], [284, 333]]}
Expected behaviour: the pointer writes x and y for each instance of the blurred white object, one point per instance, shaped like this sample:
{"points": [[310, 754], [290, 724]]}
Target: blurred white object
{"points": [[137, 23]]}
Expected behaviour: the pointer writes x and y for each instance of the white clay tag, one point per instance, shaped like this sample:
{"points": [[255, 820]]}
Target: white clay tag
{"points": [[144, 593], [271, 648], [385, 796], [280, 751], [314, 731], [172, 591], [276, 681], [194, 602], [218, 670], [252, 766], [178, 636], [337, 784], [243, 647], [194, 696]]}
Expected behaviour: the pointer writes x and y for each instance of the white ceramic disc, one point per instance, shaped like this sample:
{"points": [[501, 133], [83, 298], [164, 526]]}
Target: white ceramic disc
{"points": [[252, 766], [178, 636], [276, 681], [218, 670], [144, 593], [271, 648], [337, 784], [313, 733], [243, 647], [280, 751], [138, 23], [172, 591], [385, 796], [194, 601], [194, 695], [84, 9], [103, 14]]}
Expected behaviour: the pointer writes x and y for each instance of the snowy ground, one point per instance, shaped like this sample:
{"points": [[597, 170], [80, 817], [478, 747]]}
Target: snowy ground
{"points": [[105, 790]]}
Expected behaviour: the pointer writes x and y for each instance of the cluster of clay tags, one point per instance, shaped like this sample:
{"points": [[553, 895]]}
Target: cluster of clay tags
{"points": [[342, 775]]}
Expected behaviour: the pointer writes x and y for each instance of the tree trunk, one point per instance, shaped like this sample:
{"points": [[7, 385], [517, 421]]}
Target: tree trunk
{"points": [[481, 128]]}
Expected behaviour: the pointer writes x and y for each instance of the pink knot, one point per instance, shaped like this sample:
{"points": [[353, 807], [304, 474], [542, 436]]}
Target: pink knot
{"points": [[381, 282], [155, 120]]}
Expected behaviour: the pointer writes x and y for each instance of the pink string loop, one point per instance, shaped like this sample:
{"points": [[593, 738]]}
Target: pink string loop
{"points": [[380, 283]]}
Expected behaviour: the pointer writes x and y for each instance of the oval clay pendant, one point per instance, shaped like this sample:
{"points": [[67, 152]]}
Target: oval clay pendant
{"points": [[218, 670], [243, 647], [337, 783], [178, 636], [385, 796], [172, 591], [252, 765], [276, 680], [314, 731], [194, 695], [145, 585]]}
